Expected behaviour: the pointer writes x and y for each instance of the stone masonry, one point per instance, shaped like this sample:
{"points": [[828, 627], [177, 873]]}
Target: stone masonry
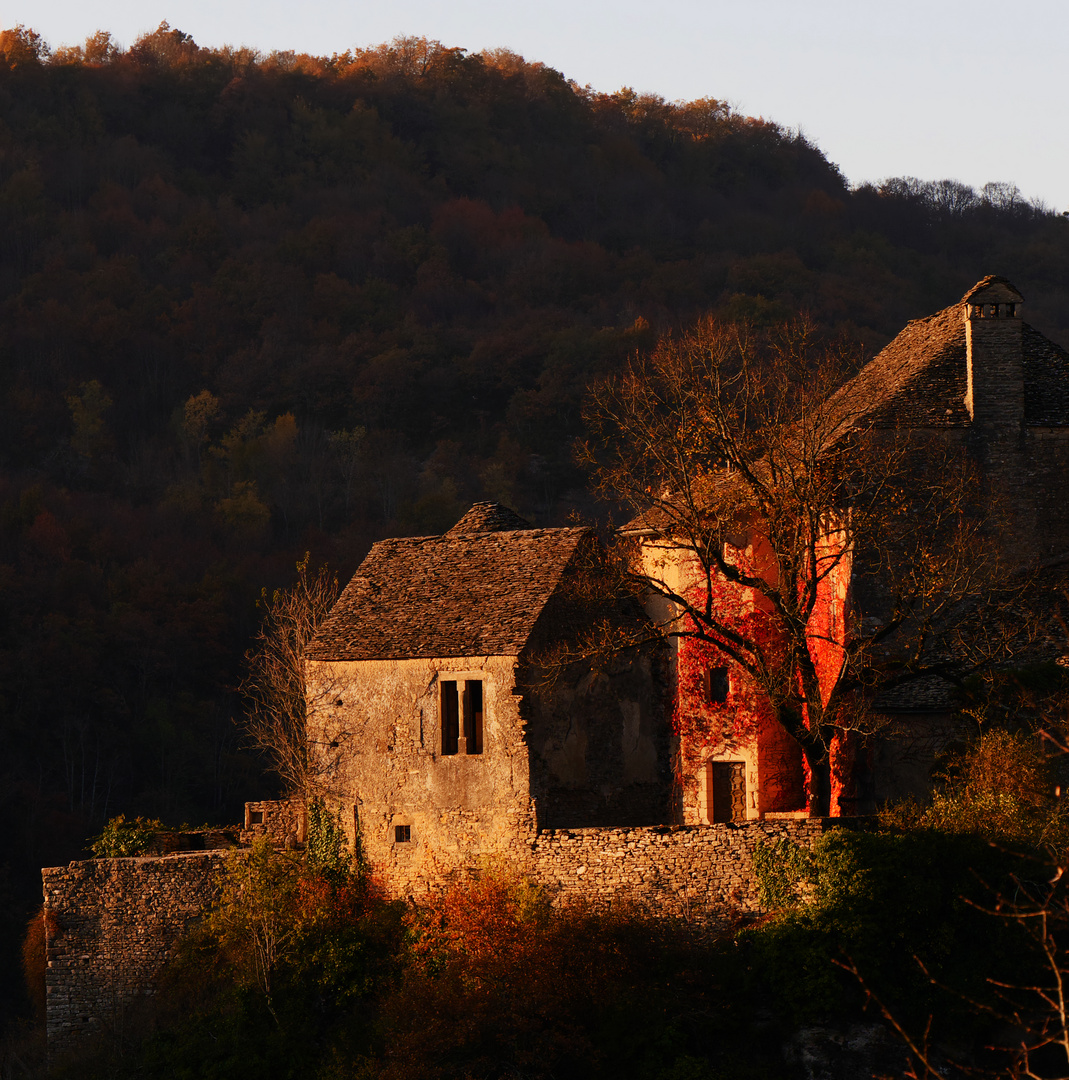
{"points": [[115, 923], [697, 873]]}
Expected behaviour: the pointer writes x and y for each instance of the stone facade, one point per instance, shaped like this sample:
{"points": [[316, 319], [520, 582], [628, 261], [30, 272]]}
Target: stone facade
{"points": [[283, 822], [441, 724], [973, 378], [113, 925]]}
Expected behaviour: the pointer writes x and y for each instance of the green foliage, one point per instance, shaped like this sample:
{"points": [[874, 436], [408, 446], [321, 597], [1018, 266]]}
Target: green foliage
{"points": [[782, 869], [326, 849], [253, 919], [899, 908], [121, 838]]}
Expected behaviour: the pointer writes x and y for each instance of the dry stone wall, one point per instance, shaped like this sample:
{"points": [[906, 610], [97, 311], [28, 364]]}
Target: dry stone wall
{"points": [[691, 872], [115, 923]]}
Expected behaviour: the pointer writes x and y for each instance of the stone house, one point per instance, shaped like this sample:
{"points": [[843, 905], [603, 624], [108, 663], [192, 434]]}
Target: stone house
{"points": [[974, 376], [455, 716], [446, 726]]}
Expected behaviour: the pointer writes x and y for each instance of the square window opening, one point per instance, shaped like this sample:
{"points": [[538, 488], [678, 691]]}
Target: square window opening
{"points": [[256, 817], [402, 834]]}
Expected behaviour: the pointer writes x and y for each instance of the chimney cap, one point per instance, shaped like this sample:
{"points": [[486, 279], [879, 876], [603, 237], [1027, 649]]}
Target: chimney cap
{"points": [[992, 290]]}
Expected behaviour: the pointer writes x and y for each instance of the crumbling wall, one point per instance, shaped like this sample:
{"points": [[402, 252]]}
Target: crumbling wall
{"points": [[115, 923], [283, 821]]}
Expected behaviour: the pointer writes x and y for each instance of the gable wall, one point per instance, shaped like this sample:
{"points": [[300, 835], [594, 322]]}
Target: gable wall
{"points": [[600, 749], [376, 731]]}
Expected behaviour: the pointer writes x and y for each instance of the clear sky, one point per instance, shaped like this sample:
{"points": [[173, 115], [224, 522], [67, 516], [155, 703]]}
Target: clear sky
{"points": [[928, 88]]}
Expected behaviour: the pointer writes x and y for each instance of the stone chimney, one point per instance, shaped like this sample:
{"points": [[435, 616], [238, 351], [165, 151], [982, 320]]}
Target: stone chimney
{"points": [[994, 390], [994, 398]]}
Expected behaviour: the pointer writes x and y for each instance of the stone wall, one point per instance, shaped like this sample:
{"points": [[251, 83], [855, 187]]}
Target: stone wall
{"points": [[117, 920], [283, 821], [692, 872], [115, 924]]}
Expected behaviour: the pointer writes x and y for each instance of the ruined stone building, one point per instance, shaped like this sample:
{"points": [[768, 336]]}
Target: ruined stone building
{"points": [[973, 377], [456, 720], [443, 726]]}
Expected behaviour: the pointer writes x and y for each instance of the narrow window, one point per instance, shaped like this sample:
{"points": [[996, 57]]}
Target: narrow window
{"points": [[402, 834], [473, 716], [450, 713], [1011, 311], [716, 685]]}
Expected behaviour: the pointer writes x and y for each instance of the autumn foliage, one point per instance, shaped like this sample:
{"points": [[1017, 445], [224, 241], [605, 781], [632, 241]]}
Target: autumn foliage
{"points": [[257, 305]]}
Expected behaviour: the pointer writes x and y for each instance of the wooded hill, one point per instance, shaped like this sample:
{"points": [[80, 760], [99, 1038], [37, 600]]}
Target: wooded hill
{"points": [[256, 305]]}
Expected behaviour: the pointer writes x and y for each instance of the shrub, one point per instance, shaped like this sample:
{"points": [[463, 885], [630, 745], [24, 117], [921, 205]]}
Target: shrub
{"points": [[782, 870], [121, 838], [1000, 788], [888, 904]]}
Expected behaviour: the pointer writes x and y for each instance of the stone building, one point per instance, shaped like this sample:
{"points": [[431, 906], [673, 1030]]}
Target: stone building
{"points": [[456, 718], [451, 710], [972, 377]]}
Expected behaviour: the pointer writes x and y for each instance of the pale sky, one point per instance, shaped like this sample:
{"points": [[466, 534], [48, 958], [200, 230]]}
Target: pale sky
{"points": [[968, 91]]}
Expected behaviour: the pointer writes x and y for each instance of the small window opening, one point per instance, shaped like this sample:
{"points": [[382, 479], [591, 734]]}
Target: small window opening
{"points": [[402, 834], [716, 685], [450, 717], [256, 817], [995, 311], [1011, 311]]}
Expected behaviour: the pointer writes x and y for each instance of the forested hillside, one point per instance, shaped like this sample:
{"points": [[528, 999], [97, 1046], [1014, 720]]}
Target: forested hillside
{"points": [[252, 306]]}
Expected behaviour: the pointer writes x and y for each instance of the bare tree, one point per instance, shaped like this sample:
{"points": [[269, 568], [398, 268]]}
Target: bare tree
{"points": [[751, 477], [275, 684]]}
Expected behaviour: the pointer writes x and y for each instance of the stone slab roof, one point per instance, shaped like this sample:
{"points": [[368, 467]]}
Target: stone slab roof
{"points": [[474, 593], [918, 380], [489, 517], [927, 694]]}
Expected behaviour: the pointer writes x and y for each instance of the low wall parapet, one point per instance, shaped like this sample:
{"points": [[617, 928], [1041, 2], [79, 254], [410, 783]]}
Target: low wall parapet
{"points": [[693, 872]]}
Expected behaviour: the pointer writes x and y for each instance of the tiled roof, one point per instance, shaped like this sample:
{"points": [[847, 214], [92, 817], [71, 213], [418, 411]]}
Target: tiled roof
{"points": [[1046, 381], [919, 381], [475, 593], [926, 694]]}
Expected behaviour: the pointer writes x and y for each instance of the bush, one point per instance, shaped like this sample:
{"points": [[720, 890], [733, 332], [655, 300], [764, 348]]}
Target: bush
{"points": [[898, 908], [782, 871], [1000, 788], [121, 838]]}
